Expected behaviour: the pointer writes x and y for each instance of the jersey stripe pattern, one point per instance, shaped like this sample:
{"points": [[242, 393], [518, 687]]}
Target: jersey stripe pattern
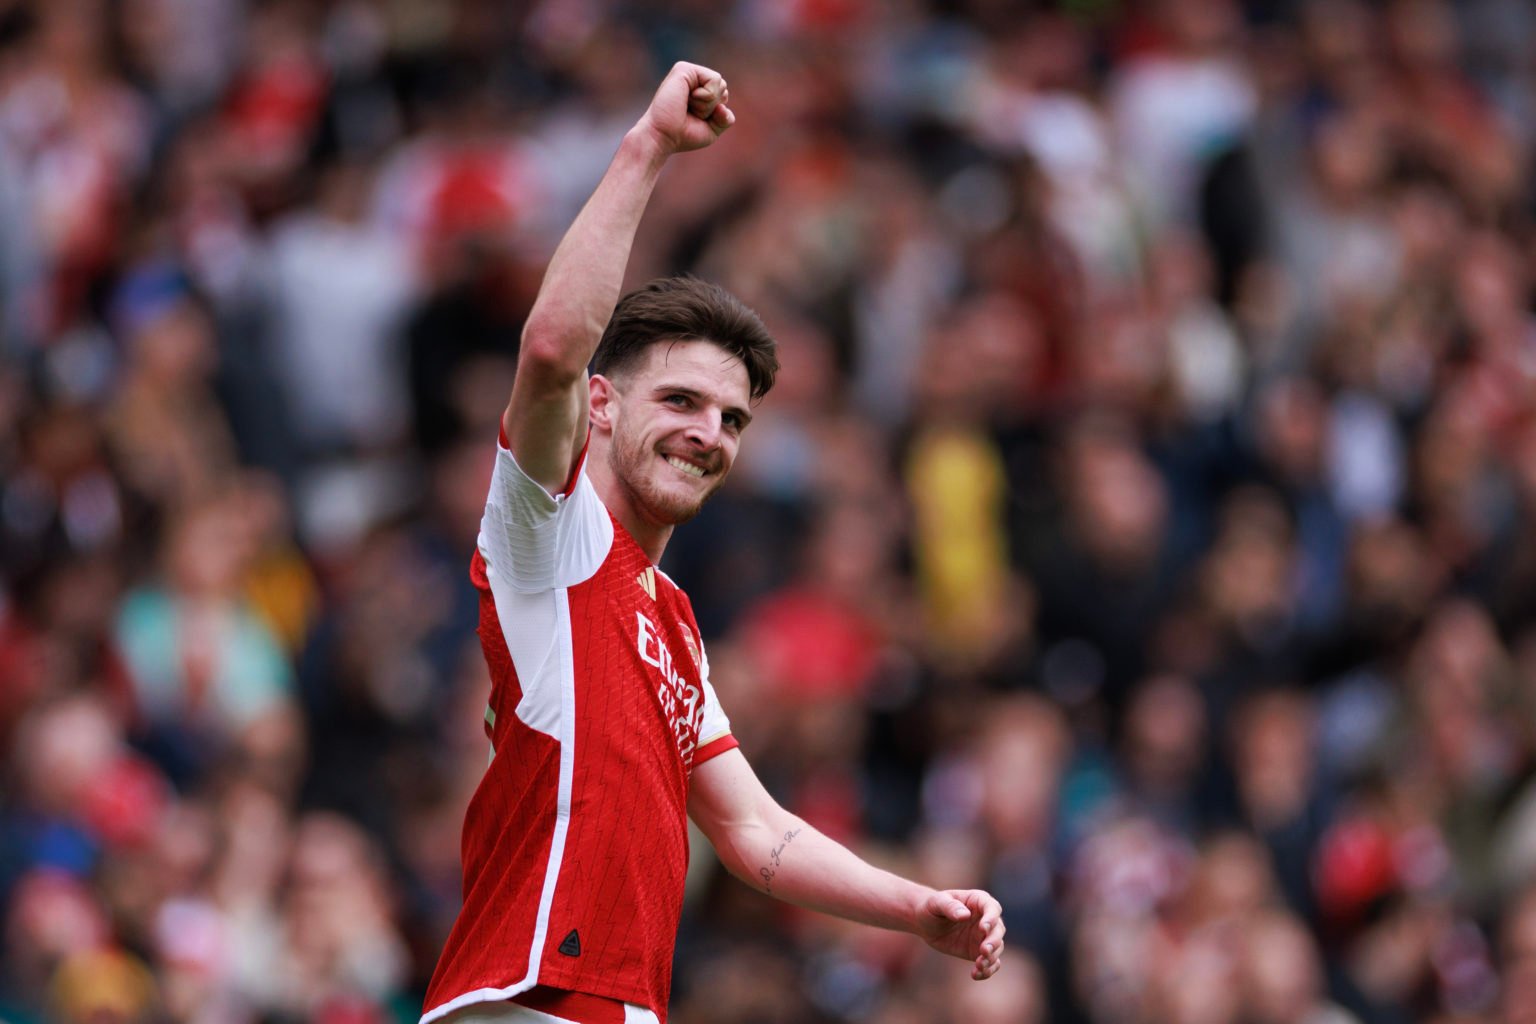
{"points": [[575, 843]]}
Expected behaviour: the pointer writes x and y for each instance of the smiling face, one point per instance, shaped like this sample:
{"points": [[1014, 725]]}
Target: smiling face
{"points": [[671, 426]]}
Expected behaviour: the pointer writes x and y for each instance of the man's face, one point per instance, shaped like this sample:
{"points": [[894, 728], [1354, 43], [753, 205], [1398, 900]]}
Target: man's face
{"points": [[676, 421]]}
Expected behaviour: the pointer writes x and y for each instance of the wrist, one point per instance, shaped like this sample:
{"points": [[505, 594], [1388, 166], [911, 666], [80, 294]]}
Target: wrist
{"points": [[647, 144], [920, 910]]}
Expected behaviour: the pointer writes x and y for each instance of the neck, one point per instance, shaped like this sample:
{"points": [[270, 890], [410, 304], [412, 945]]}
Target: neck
{"points": [[652, 537]]}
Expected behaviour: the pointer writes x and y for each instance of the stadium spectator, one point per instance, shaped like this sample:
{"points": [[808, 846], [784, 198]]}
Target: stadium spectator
{"points": [[1158, 392]]}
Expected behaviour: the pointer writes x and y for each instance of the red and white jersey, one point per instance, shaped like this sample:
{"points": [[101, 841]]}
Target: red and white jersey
{"points": [[575, 843]]}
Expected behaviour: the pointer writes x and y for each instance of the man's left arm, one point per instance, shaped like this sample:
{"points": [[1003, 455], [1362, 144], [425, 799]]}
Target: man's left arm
{"points": [[777, 853]]}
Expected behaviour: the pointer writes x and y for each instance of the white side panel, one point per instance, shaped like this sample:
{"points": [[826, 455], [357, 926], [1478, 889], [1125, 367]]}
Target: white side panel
{"points": [[557, 698], [566, 734]]}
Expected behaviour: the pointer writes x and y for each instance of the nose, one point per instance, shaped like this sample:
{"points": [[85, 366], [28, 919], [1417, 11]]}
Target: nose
{"points": [[704, 429]]}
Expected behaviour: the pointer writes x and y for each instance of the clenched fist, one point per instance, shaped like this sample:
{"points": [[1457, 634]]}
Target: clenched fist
{"points": [[690, 109]]}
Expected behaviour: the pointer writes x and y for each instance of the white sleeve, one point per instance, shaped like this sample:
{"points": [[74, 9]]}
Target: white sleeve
{"points": [[539, 541], [715, 723]]}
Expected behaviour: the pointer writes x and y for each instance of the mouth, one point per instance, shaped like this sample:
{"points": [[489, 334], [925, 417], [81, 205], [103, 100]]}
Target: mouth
{"points": [[685, 466]]}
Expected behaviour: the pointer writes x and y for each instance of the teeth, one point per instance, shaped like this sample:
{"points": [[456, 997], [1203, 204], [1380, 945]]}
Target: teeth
{"points": [[686, 467]]}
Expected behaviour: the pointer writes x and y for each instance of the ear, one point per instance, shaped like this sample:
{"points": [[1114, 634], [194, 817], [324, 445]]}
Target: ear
{"points": [[602, 399]]}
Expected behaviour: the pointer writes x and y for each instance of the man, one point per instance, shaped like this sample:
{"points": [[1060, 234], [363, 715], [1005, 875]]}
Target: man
{"points": [[604, 728]]}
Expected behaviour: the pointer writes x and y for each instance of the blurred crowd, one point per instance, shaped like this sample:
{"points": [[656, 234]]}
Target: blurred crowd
{"points": [[1143, 527]]}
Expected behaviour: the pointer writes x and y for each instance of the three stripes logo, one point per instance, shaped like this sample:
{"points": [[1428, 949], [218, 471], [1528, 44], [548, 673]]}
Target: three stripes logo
{"points": [[647, 581]]}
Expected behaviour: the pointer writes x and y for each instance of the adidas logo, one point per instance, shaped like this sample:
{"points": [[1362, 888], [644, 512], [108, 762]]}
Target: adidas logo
{"points": [[571, 944], [647, 581]]}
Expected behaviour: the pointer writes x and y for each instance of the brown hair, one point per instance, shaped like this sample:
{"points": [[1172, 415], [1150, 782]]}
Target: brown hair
{"points": [[687, 309]]}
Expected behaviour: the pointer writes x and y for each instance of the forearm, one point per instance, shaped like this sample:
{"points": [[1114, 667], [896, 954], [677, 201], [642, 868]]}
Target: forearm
{"points": [[779, 854], [586, 273], [546, 416], [792, 861]]}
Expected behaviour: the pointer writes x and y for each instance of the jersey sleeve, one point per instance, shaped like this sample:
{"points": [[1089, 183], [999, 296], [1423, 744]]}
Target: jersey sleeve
{"points": [[715, 731], [537, 540]]}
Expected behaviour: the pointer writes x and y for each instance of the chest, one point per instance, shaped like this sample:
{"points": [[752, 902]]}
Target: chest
{"points": [[647, 671]]}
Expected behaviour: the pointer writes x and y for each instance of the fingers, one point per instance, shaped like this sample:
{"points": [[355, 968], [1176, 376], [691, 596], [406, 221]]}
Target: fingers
{"points": [[705, 97], [982, 901], [708, 102], [706, 88], [991, 957], [988, 910], [721, 119], [986, 966], [992, 930]]}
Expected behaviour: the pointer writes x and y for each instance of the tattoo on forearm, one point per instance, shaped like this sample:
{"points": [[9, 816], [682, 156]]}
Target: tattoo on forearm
{"points": [[769, 870]]}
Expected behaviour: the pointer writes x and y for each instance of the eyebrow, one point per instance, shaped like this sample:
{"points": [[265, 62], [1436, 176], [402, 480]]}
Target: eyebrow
{"points": [[694, 393]]}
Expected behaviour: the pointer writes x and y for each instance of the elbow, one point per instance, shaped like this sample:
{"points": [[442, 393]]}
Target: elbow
{"points": [[563, 333], [553, 357], [736, 864], [742, 851]]}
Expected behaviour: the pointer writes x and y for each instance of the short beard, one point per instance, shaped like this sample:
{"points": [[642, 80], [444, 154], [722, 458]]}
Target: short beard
{"points": [[628, 466]]}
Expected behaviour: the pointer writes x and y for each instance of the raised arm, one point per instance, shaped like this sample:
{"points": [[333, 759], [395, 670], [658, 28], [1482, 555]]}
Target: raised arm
{"points": [[546, 417], [777, 853]]}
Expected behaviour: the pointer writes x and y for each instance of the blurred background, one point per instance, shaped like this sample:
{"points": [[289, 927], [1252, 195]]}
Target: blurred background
{"points": [[1143, 527]]}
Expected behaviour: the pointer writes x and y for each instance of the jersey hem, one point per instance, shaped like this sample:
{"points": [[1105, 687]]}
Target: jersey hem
{"points": [[479, 995], [568, 1004]]}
